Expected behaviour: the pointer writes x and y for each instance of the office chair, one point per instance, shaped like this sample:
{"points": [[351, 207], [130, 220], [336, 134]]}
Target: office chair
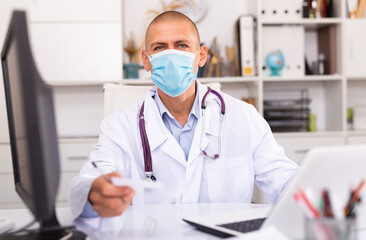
{"points": [[117, 96]]}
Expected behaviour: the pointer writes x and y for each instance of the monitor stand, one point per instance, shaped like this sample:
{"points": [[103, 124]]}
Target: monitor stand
{"points": [[50, 229]]}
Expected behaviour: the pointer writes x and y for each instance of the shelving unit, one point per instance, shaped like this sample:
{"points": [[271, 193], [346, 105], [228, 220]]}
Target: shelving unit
{"points": [[304, 21], [331, 94], [305, 78], [223, 80]]}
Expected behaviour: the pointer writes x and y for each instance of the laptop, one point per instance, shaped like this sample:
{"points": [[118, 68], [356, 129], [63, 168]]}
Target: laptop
{"points": [[337, 168]]}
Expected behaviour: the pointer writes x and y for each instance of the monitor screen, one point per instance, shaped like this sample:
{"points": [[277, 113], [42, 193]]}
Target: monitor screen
{"points": [[31, 121], [20, 135]]}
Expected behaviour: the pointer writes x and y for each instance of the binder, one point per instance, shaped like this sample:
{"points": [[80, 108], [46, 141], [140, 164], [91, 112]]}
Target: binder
{"points": [[246, 28], [327, 45], [361, 8]]}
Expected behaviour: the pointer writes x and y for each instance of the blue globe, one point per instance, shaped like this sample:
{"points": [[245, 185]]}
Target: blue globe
{"points": [[275, 61]]}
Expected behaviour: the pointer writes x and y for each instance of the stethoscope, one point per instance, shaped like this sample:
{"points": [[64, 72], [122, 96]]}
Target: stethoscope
{"points": [[145, 140]]}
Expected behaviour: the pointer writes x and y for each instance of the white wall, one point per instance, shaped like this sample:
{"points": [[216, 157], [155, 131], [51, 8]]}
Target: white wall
{"points": [[79, 110], [218, 21]]}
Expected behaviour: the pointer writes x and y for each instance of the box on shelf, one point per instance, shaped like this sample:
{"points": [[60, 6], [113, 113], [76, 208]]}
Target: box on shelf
{"points": [[281, 9], [359, 118]]}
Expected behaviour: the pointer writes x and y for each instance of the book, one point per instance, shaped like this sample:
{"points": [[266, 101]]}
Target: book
{"points": [[327, 46]]}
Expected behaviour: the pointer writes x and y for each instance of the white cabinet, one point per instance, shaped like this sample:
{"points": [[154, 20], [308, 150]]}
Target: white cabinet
{"points": [[62, 198], [8, 197], [6, 165], [78, 52], [357, 139], [76, 11], [355, 50], [296, 147], [73, 154], [77, 42]]}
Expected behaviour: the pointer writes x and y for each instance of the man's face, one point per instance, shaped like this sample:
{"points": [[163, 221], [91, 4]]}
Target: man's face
{"points": [[174, 34]]}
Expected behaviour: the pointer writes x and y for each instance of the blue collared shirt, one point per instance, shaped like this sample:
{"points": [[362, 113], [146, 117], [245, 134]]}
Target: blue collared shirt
{"points": [[183, 134]]}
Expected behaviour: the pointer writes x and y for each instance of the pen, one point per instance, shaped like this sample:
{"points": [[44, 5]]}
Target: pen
{"points": [[308, 204], [351, 203], [321, 206], [310, 212], [328, 212], [105, 177], [302, 205], [101, 173]]}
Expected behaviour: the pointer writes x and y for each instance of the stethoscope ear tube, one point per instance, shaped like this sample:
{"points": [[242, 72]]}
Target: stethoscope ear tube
{"points": [[145, 141], [210, 90]]}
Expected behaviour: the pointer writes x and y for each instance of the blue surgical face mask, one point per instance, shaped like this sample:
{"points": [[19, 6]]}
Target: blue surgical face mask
{"points": [[172, 71]]}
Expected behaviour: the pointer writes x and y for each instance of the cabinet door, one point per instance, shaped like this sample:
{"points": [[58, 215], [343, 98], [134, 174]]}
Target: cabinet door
{"points": [[296, 148], [8, 197], [8, 194], [77, 11], [74, 155], [63, 188], [6, 165], [355, 48], [357, 140], [78, 51]]}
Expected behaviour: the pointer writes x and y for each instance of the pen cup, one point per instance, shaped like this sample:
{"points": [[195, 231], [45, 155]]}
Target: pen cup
{"points": [[331, 229]]}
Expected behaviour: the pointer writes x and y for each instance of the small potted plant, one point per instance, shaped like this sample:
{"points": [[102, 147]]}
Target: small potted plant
{"points": [[132, 50]]}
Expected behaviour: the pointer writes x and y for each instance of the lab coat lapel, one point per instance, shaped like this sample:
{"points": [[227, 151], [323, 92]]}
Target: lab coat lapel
{"points": [[200, 138], [158, 134]]}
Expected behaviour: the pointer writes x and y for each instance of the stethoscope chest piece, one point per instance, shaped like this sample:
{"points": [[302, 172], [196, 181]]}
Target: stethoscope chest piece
{"points": [[150, 178]]}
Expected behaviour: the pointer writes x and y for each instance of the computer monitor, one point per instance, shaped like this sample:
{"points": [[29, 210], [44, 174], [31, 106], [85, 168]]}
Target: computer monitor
{"points": [[32, 129]]}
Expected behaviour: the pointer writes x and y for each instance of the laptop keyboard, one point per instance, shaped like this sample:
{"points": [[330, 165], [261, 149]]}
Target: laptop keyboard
{"points": [[244, 226]]}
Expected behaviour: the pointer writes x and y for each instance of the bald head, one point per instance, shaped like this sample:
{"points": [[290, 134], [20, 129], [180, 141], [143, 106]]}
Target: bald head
{"points": [[173, 30], [174, 19]]}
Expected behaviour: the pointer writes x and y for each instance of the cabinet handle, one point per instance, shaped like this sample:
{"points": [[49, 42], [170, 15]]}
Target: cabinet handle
{"points": [[302, 151], [78, 158]]}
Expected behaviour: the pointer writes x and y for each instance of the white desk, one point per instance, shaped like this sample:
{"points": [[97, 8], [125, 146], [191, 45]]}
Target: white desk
{"points": [[144, 221], [138, 222]]}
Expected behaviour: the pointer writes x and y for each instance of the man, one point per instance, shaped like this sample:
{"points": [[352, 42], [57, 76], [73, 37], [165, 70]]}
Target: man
{"points": [[183, 143]]}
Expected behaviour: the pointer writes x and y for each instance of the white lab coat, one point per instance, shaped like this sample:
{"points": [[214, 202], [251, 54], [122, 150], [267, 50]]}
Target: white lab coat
{"points": [[249, 155]]}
